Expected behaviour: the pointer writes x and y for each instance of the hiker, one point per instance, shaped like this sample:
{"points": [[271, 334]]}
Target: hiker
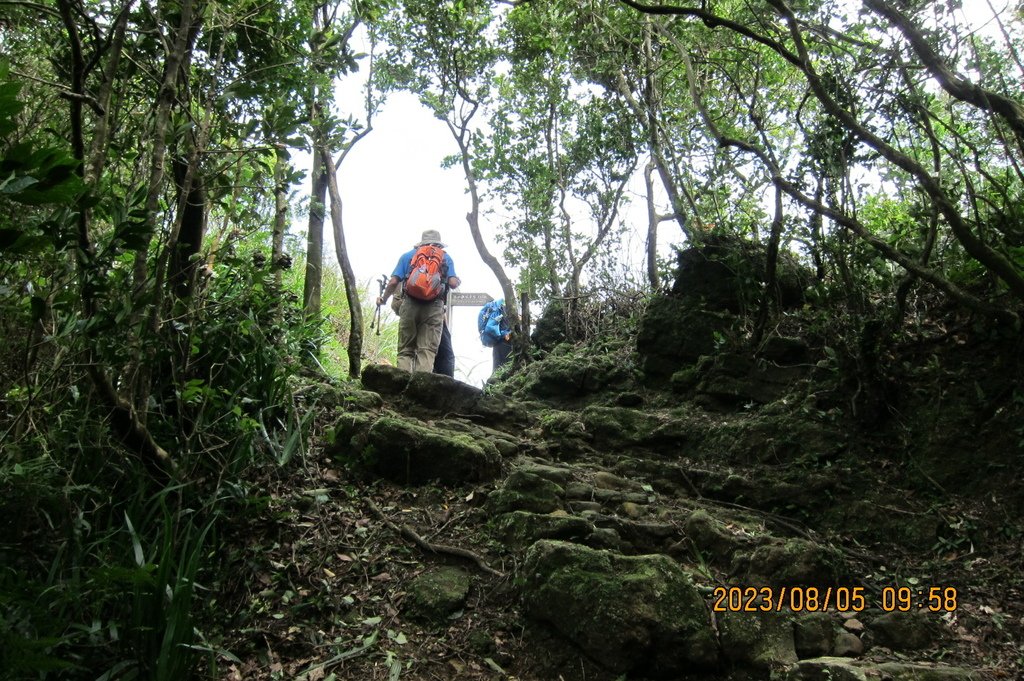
{"points": [[494, 331], [426, 273], [444, 361]]}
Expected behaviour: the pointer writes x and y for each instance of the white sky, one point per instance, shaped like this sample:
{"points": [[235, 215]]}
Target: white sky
{"points": [[393, 188]]}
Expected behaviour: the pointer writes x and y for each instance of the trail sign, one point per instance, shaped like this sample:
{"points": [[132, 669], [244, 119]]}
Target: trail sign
{"points": [[476, 299]]}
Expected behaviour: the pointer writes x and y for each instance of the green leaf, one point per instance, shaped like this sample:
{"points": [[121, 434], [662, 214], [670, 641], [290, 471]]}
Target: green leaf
{"points": [[136, 544]]}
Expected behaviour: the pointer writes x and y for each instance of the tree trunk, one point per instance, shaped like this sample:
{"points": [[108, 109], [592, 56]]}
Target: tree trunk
{"points": [[355, 336], [653, 278], [770, 297], [280, 213], [192, 225], [473, 218], [654, 134], [124, 420], [312, 286], [101, 133], [164, 102]]}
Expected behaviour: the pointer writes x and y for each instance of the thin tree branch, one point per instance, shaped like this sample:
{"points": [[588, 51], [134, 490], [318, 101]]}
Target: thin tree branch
{"points": [[956, 85]]}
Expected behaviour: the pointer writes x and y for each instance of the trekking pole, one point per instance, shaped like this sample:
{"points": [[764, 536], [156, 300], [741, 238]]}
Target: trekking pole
{"points": [[376, 316]]}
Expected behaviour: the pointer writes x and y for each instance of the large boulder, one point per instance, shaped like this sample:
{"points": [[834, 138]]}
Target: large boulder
{"points": [[412, 452], [526, 491], [632, 614], [673, 334], [757, 639], [722, 277], [728, 273], [426, 395]]}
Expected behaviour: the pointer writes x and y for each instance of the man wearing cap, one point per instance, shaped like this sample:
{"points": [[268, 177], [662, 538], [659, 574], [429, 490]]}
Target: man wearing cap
{"points": [[419, 323]]}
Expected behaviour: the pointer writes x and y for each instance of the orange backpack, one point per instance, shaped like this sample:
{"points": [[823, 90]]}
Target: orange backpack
{"points": [[427, 277]]}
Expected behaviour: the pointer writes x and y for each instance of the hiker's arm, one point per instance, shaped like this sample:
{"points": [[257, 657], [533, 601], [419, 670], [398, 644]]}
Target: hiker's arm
{"points": [[388, 290], [449, 268]]}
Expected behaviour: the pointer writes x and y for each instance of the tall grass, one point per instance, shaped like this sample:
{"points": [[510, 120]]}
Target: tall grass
{"points": [[330, 346]]}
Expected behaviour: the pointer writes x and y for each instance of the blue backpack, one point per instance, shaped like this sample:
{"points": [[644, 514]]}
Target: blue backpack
{"points": [[492, 312]]}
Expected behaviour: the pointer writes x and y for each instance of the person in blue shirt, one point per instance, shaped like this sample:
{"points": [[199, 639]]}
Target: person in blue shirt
{"points": [[420, 323], [495, 332]]}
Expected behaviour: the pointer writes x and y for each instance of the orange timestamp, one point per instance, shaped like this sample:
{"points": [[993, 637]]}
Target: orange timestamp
{"points": [[841, 598]]}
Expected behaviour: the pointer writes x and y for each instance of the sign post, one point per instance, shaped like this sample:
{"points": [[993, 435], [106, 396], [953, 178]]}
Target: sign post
{"points": [[468, 299]]}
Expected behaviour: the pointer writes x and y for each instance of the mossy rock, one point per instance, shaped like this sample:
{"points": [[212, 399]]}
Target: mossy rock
{"points": [[560, 425], [549, 329], [674, 335], [710, 539], [725, 272], [556, 474], [358, 400], [632, 614], [525, 491], [606, 480], [519, 529], [619, 426], [763, 640], [738, 380], [426, 394], [773, 438], [383, 379], [411, 452], [436, 594], [571, 377], [791, 562], [507, 445], [905, 630], [813, 633]]}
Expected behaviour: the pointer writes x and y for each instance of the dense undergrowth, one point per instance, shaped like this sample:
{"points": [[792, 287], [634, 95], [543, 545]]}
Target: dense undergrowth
{"points": [[105, 560]]}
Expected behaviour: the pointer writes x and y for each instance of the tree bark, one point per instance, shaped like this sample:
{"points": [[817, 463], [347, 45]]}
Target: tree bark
{"points": [[312, 287], [280, 212], [473, 219], [355, 337], [164, 102], [124, 421], [101, 133], [653, 278]]}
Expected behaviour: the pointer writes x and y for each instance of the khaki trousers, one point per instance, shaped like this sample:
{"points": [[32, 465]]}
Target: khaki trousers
{"points": [[419, 333]]}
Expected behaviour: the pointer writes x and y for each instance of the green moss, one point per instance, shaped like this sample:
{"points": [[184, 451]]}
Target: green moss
{"points": [[519, 529], [524, 491], [436, 594], [631, 613], [618, 426]]}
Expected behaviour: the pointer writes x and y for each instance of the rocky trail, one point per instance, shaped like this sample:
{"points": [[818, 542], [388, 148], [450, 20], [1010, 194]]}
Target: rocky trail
{"points": [[637, 514]]}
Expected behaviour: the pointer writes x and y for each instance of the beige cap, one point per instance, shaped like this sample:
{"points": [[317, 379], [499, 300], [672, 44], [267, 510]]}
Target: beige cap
{"points": [[430, 236]]}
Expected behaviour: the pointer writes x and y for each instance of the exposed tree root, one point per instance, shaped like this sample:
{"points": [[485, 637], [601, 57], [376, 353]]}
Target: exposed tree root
{"points": [[408, 533]]}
